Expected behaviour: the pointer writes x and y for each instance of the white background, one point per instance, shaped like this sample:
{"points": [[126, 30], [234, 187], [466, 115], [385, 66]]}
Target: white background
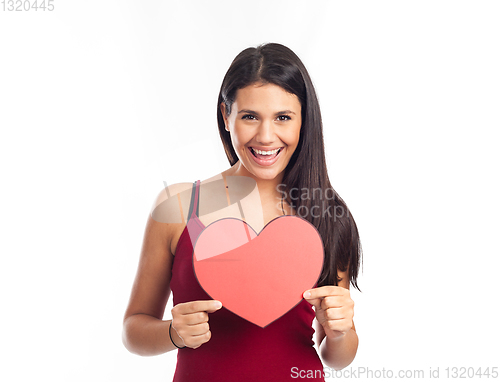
{"points": [[102, 101]]}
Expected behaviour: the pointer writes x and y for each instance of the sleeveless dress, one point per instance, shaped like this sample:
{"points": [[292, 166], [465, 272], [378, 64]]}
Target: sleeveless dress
{"points": [[239, 350]]}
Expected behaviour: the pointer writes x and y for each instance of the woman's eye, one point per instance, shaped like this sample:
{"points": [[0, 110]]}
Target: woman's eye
{"points": [[280, 118]]}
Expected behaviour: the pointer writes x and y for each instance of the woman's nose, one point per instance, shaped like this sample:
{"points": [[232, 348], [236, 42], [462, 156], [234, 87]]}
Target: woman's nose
{"points": [[266, 132]]}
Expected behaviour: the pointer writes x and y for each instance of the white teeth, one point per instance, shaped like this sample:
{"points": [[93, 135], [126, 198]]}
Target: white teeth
{"points": [[265, 152]]}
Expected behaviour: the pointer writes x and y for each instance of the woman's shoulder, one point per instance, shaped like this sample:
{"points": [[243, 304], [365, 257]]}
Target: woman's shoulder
{"points": [[217, 193], [171, 203]]}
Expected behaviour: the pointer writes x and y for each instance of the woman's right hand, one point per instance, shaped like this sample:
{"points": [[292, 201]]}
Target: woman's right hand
{"points": [[190, 321]]}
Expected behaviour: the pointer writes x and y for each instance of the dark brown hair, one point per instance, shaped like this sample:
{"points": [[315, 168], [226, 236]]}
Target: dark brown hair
{"points": [[276, 64]]}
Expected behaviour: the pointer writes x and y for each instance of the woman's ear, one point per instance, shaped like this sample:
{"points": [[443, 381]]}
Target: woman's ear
{"points": [[223, 111]]}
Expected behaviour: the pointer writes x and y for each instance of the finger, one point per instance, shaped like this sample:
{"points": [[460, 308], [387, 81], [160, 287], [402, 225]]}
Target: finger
{"points": [[327, 290], [194, 318], [195, 342], [332, 302], [197, 330], [202, 338], [199, 306], [341, 325], [316, 302], [186, 332], [215, 306], [335, 314]]}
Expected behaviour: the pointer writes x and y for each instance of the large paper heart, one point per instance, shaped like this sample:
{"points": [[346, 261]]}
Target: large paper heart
{"points": [[259, 277]]}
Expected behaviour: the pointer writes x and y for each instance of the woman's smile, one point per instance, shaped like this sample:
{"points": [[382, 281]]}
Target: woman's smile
{"points": [[265, 157]]}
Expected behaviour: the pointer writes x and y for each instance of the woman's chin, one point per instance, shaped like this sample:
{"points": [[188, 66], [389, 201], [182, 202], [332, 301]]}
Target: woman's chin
{"points": [[265, 173]]}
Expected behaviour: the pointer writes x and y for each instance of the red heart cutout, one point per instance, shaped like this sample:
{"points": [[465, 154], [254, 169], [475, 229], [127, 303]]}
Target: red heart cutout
{"points": [[258, 277]]}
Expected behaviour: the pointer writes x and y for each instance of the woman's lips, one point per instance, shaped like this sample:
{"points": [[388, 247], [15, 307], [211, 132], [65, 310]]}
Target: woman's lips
{"points": [[265, 162]]}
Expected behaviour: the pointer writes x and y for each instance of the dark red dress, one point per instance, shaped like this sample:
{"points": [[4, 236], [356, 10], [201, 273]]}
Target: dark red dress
{"points": [[239, 350]]}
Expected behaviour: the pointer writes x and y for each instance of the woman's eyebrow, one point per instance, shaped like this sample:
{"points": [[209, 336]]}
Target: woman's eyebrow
{"points": [[254, 112]]}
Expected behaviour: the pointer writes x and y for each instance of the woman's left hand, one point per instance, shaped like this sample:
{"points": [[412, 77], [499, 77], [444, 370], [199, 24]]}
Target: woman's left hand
{"points": [[334, 309]]}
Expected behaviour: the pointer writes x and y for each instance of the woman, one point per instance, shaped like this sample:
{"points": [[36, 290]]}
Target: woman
{"points": [[270, 125]]}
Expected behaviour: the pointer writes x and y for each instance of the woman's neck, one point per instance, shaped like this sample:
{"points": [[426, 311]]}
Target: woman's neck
{"points": [[268, 188]]}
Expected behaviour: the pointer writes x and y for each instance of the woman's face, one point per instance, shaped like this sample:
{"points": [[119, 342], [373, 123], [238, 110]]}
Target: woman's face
{"points": [[266, 118]]}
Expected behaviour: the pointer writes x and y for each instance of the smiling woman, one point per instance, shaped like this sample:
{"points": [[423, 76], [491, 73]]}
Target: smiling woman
{"points": [[263, 139], [269, 121]]}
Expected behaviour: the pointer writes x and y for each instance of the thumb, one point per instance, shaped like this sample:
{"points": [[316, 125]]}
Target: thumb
{"points": [[316, 302], [216, 305]]}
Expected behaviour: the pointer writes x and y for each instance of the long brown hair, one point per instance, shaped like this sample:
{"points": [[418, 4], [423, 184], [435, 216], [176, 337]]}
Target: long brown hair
{"points": [[276, 64]]}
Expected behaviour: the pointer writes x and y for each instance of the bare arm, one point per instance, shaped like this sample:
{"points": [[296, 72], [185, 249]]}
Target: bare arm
{"points": [[144, 332], [338, 353]]}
